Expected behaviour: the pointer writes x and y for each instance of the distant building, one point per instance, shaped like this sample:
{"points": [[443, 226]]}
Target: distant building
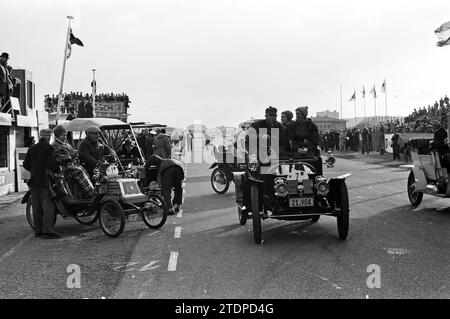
{"points": [[327, 113], [327, 124]]}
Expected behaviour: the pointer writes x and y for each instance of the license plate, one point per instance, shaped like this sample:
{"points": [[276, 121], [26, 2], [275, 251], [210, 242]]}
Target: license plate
{"points": [[301, 202], [133, 218]]}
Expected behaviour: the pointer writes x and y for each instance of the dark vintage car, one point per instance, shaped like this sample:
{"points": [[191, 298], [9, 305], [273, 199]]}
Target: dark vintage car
{"points": [[291, 188]]}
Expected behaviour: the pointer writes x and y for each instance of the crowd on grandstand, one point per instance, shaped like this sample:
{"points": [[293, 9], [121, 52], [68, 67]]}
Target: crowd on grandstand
{"points": [[72, 100]]}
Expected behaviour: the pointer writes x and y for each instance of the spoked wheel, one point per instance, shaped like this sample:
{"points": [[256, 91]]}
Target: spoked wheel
{"points": [[87, 219], [219, 181], [155, 214], [415, 197], [343, 211], [242, 216], [256, 217], [29, 213], [315, 219], [112, 218]]}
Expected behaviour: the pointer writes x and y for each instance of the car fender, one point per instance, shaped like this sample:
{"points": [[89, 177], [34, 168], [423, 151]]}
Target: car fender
{"points": [[26, 197], [335, 183], [213, 165]]}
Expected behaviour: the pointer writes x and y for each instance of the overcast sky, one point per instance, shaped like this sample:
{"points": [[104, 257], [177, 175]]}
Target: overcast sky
{"points": [[224, 61]]}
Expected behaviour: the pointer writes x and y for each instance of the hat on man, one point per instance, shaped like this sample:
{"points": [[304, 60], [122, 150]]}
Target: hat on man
{"points": [[59, 130], [303, 110], [5, 55], [45, 132], [93, 129], [271, 111]]}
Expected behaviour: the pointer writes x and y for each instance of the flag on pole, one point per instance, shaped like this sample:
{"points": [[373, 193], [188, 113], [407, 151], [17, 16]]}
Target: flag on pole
{"points": [[374, 92], [353, 96], [443, 34], [73, 40], [363, 92], [94, 87], [383, 86]]}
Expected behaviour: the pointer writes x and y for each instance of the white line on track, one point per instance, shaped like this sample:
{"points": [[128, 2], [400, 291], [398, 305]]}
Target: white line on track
{"points": [[177, 232], [173, 261], [12, 250]]}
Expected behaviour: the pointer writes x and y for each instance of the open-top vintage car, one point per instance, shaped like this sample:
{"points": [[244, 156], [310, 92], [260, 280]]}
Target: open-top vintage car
{"points": [[119, 195], [427, 174], [291, 188]]}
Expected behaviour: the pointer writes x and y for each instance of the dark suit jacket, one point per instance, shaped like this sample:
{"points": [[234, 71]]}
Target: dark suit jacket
{"points": [[439, 141], [90, 153], [305, 134], [38, 159]]}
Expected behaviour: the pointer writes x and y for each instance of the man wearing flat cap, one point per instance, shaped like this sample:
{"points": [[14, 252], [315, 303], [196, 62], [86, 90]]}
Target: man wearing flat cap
{"points": [[91, 150], [269, 126], [38, 160]]}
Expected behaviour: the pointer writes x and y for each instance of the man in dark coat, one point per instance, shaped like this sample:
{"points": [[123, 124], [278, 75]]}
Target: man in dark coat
{"points": [[270, 127], [365, 141], [305, 133], [38, 160], [169, 174], [395, 145], [91, 150], [440, 143]]}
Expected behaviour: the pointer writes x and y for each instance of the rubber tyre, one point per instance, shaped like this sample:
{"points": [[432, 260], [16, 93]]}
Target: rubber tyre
{"points": [[112, 203], [315, 219], [343, 217], [87, 220], [227, 184], [415, 198], [242, 216], [159, 201], [256, 217]]}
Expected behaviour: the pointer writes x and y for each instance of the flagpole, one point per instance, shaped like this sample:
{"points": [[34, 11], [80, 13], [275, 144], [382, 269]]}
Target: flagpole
{"points": [[58, 109], [355, 108], [364, 99], [94, 91], [385, 99]]}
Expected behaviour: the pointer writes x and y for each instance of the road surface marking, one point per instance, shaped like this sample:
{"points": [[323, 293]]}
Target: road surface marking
{"points": [[13, 249], [173, 261], [177, 232]]}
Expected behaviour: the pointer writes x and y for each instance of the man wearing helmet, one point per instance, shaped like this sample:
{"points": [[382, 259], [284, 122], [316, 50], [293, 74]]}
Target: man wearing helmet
{"points": [[91, 149]]}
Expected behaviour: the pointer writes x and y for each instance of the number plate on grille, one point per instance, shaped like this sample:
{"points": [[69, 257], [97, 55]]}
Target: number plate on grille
{"points": [[301, 202]]}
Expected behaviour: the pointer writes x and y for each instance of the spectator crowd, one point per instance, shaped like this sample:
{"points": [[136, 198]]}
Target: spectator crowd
{"points": [[80, 105]]}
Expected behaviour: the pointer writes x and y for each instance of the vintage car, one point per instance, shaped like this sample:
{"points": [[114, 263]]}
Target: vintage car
{"points": [[119, 195], [427, 176], [290, 188], [225, 165]]}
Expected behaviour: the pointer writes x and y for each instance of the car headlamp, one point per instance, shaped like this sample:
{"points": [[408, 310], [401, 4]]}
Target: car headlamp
{"points": [[253, 163], [281, 188], [323, 188]]}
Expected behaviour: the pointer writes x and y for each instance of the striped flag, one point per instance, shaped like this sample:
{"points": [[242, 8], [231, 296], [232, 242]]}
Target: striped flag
{"points": [[94, 87], [353, 96], [443, 34], [73, 40], [363, 92], [383, 86]]}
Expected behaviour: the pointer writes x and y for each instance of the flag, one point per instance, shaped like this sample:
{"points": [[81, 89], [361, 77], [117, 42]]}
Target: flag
{"points": [[363, 92], [72, 40], [75, 40], [353, 98], [374, 92], [94, 87], [383, 86], [443, 34]]}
